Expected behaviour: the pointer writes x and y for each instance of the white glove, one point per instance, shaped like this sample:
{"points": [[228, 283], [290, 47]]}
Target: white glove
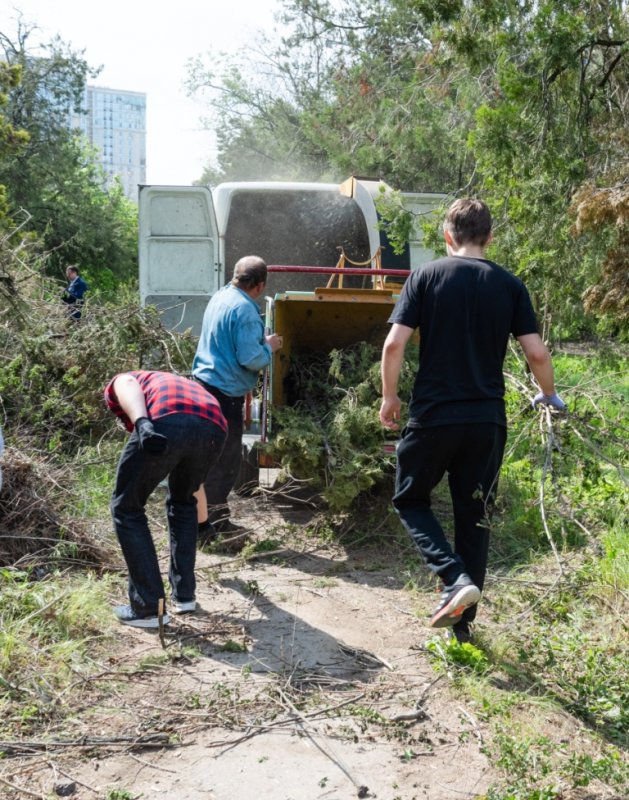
{"points": [[549, 400]]}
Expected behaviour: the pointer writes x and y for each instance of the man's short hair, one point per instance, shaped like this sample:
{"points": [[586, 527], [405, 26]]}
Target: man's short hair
{"points": [[468, 221], [249, 272], [72, 268]]}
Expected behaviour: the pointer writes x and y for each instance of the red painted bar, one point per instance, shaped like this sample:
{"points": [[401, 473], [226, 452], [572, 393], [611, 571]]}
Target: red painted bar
{"points": [[337, 271]]}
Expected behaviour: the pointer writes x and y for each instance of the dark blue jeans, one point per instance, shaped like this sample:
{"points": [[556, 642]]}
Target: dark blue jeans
{"points": [[194, 444], [471, 454], [222, 475]]}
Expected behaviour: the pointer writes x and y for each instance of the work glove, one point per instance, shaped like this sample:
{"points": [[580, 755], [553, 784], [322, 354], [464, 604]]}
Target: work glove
{"points": [[150, 440], [549, 400]]}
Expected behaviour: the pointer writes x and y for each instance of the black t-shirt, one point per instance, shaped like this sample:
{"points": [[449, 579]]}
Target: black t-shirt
{"points": [[465, 309]]}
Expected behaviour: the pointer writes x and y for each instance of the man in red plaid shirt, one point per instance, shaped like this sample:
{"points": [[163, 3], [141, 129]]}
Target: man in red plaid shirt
{"points": [[177, 431]]}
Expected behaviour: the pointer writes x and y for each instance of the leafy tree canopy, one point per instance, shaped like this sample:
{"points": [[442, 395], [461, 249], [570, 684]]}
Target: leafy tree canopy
{"points": [[52, 179], [520, 101]]}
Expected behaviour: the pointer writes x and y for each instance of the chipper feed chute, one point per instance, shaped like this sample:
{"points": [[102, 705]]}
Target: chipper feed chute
{"points": [[320, 321], [330, 317]]}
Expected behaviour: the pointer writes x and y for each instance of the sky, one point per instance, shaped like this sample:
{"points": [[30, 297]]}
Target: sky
{"points": [[143, 46]]}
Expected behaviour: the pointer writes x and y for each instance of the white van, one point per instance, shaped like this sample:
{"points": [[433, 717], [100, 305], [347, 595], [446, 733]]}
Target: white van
{"points": [[190, 237]]}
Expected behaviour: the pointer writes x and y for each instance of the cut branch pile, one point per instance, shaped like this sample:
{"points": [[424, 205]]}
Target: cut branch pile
{"points": [[329, 432], [33, 530]]}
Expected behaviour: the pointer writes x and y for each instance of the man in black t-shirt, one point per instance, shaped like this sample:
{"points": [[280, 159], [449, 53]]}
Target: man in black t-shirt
{"points": [[465, 307]]}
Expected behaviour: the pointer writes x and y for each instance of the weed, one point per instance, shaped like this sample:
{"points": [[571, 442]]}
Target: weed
{"points": [[583, 669], [47, 628], [119, 794], [231, 646], [324, 583], [263, 546], [408, 755], [516, 793], [154, 661], [523, 758], [250, 588], [94, 469], [368, 714], [192, 701], [581, 769], [453, 653]]}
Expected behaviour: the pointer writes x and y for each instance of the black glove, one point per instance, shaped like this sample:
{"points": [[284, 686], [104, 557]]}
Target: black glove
{"points": [[150, 440]]}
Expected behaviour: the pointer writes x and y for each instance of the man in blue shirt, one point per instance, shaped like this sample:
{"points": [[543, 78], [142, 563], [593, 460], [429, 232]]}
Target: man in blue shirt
{"points": [[232, 350], [73, 294]]}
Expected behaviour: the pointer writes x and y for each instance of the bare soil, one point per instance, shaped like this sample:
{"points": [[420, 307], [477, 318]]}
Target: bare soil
{"points": [[302, 675]]}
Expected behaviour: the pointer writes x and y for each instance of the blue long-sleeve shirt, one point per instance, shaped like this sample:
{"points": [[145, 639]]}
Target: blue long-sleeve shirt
{"points": [[75, 291], [232, 348]]}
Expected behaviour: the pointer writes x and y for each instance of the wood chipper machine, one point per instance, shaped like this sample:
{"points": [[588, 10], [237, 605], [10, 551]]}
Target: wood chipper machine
{"points": [[335, 315]]}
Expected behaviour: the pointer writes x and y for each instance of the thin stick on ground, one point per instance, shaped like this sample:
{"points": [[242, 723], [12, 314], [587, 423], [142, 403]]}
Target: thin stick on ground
{"points": [[590, 444], [21, 790], [546, 469], [322, 745]]}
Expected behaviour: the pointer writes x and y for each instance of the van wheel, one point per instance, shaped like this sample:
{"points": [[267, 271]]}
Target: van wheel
{"points": [[248, 478]]}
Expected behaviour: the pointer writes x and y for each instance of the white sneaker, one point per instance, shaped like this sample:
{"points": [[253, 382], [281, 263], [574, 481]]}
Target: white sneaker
{"points": [[128, 616], [183, 608]]}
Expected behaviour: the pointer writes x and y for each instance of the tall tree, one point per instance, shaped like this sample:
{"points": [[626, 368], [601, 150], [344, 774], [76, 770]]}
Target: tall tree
{"points": [[520, 100], [54, 178]]}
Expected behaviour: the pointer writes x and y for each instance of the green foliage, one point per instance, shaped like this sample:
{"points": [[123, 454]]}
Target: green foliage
{"points": [[119, 794], [585, 487], [368, 714], [48, 172], [524, 758], [231, 646], [522, 103], [454, 653], [52, 383], [45, 629], [331, 435]]}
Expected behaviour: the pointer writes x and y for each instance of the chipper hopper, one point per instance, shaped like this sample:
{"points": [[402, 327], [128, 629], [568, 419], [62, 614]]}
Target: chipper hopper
{"points": [[333, 316]]}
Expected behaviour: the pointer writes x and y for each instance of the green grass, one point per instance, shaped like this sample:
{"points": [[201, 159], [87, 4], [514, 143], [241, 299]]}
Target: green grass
{"points": [[49, 631], [548, 674], [95, 469], [552, 641]]}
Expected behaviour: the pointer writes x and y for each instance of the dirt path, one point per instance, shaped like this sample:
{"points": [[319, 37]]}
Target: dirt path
{"points": [[300, 663]]}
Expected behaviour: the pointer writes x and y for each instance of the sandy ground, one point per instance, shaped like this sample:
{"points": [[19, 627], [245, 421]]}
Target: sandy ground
{"points": [[282, 686]]}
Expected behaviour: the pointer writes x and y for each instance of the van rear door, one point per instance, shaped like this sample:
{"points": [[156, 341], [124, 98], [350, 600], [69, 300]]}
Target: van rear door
{"points": [[179, 259]]}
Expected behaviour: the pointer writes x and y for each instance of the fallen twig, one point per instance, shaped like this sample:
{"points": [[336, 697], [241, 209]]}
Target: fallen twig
{"points": [[148, 764], [20, 789], [21, 746], [550, 442], [75, 780], [323, 746], [418, 713], [474, 724], [590, 444]]}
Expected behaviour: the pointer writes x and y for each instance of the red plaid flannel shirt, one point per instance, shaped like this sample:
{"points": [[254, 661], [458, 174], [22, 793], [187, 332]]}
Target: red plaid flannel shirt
{"points": [[166, 394]]}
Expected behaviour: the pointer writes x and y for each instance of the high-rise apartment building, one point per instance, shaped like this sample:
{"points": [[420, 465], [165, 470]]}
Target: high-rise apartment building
{"points": [[115, 122]]}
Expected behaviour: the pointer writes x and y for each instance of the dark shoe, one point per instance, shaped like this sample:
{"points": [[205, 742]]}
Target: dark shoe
{"points": [[207, 534], [128, 616], [461, 632], [187, 607], [226, 527], [455, 599], [231, 538]]}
